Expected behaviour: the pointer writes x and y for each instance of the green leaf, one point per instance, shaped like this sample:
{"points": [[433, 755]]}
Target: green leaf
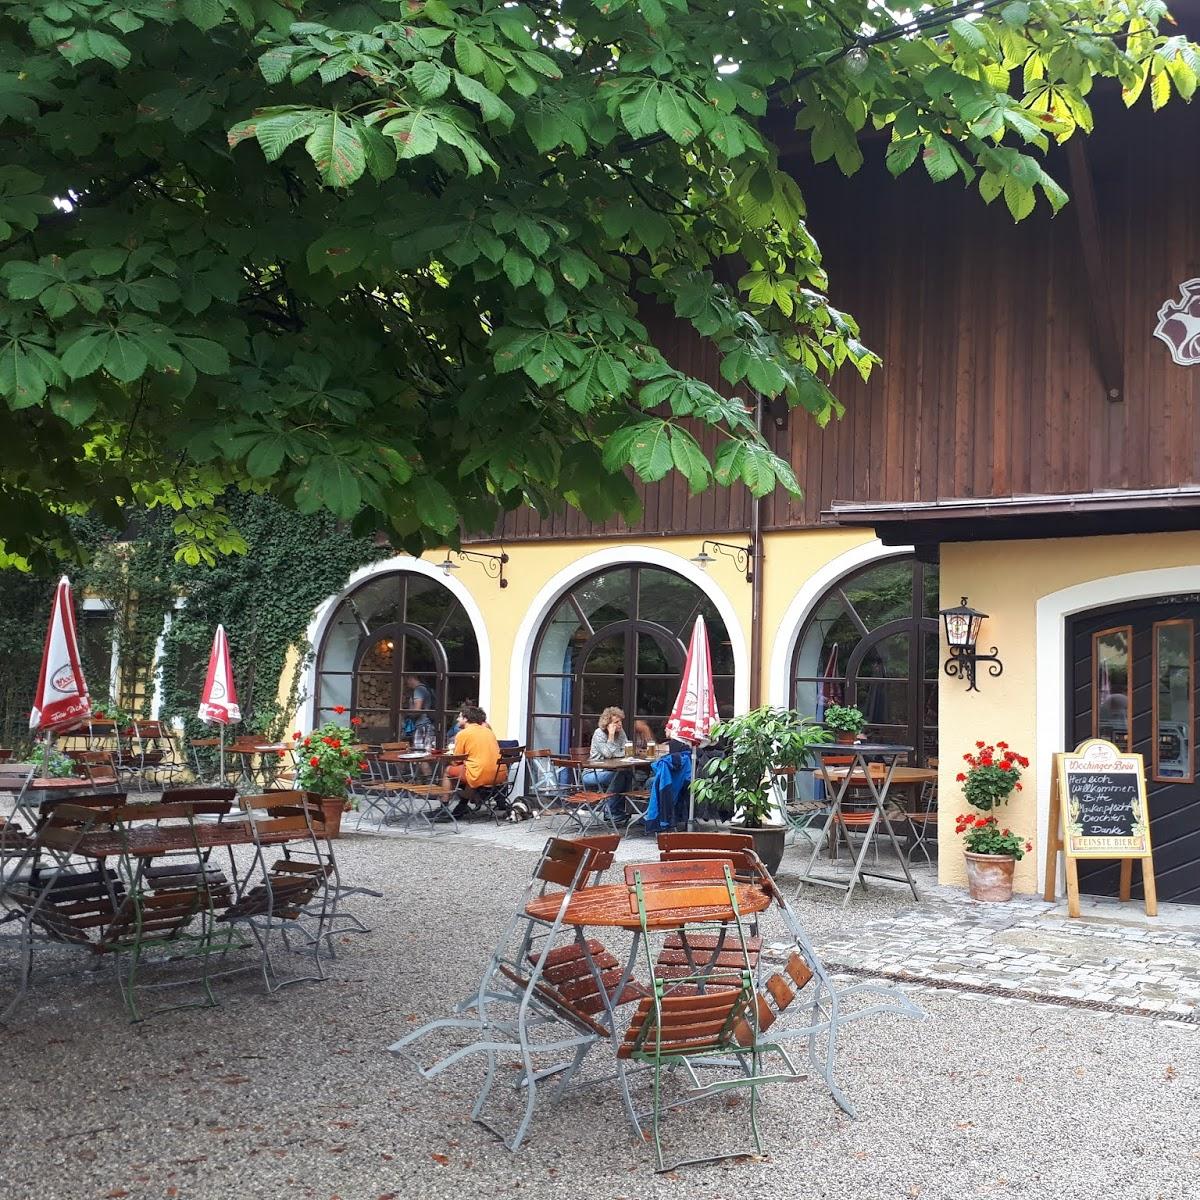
{"points": [[335, 485], [966, 36], [640, 115], [205, 355], [266, 457], [689, 460], [518, 268], [1019, 197], [415, 134], [204, 14], [492, 107], [650, 454], [431, 79], [939, 158], [276, 133], [337, 151], [674, 116], [85, 355], [74, 407], [434, 504], [124, 359], [468, 55]]}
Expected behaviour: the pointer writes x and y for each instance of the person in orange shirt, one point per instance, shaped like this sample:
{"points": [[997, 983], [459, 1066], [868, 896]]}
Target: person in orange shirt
{"points": [[482, 768]]}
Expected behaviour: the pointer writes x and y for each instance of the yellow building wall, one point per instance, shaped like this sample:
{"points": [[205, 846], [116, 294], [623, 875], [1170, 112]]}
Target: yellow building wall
{"points": [[1006, 580], [789, 560]]}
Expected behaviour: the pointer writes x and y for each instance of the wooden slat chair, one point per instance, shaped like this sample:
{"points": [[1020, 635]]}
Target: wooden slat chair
{"points": [[203, 803], [693, 1017], [152, 757], [695, 952], [923, 821], [805, 818], [126, 912], [96, 768], [498, 796], [585, 808], [283, 891], [516, 999], [432, 801]]}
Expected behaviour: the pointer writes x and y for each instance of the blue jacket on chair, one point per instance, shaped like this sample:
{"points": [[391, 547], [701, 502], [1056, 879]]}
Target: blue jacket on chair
{"points": [[669, 780]]}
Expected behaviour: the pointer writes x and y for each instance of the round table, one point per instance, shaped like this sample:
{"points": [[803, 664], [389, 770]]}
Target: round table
{"points": [[612, 905]]}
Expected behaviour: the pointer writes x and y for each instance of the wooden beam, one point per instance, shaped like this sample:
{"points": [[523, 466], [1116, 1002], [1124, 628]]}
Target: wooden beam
{"points": [[1109, 356]]}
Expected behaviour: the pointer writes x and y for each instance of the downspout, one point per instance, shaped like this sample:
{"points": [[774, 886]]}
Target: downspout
{"points": [[757, 560]]}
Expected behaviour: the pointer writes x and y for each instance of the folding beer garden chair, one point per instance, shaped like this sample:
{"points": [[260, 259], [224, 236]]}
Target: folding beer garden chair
{"points": [[125, 911], [585, 808], [542, 993], [706, 1017], [288, 885]]}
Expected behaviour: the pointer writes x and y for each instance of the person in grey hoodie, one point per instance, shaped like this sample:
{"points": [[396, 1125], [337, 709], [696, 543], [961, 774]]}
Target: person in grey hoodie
{"points": [[608, 742]]}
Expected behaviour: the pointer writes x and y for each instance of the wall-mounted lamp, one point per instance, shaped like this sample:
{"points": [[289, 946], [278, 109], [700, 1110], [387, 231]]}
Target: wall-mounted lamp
{"points": [[962, 626], [743, 556], [493, 564]]}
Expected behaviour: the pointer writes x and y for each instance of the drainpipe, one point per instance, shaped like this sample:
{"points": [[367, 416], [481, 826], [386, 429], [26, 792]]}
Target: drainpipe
{"points": [[757, 561]]}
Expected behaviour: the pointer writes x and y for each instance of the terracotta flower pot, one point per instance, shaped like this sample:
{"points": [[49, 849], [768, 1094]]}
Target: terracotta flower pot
{"points": [[990, 876], [332, 808], [846, 737]]}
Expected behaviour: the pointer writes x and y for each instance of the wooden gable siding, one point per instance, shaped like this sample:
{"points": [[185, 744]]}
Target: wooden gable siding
{"points": [[989, 384]]}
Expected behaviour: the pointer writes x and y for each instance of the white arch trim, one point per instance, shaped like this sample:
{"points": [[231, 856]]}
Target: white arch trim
{"points": [[1052, 613], [414, 566], [544, 602], [811, 593]]}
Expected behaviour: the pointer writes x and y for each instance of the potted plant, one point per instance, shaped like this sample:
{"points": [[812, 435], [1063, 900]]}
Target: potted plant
{"points": [[328, 765], [53, 764], [993, 774], [992, 854], [738, 784], [845, 721]]}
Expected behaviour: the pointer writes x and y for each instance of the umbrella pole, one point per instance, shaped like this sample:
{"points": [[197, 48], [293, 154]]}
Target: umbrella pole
{"points": [[692, 795], [221, 753]]}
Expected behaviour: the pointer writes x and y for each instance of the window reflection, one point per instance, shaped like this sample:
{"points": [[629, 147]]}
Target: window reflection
{"points": [[620, 637], [1173, 701], [1111, 686]]}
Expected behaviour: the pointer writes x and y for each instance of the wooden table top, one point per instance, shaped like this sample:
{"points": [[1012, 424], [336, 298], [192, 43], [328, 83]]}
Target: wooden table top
{"points": [[609, 905], [609, 764], [901, 775], [150, 840]]}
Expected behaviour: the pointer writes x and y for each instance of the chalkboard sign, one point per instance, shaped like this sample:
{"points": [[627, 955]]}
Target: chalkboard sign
{"points": [[1098, 810], [1104, 802]]}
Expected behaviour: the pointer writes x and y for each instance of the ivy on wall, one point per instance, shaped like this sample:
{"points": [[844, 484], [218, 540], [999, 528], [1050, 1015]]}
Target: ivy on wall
{"points": [[265, 599]]}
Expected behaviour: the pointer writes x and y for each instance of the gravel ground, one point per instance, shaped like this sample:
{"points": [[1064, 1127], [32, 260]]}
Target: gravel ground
{"points": [[294, 1095]]}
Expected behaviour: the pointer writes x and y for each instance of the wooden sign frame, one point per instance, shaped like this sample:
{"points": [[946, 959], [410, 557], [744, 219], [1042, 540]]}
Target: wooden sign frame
{"points": [[1060, 839]]}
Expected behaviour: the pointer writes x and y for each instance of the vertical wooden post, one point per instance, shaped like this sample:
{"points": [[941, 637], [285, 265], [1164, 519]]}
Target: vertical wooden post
{"points": [[1149, 889], [1053, 837]]}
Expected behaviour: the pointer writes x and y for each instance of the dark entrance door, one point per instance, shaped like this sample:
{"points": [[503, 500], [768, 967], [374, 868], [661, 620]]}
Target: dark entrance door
{"points": [[1131, 679]]}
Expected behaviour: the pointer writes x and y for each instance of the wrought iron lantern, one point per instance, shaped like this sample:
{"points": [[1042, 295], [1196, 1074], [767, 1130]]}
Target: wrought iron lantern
{"points": [[962, 624], [493, 564], [743, 556]]}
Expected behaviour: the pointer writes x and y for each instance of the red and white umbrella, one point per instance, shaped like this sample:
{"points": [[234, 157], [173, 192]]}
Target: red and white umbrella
{"points": [[218, 701], [62, 696], [694, 712]]}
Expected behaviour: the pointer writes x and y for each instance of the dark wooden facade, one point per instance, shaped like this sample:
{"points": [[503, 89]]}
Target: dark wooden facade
{"points": [[992, 383]]}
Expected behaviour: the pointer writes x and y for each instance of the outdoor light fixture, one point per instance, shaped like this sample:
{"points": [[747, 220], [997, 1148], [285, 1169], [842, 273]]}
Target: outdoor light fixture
{"points": [[962, 636], [743, 556], [493, 564]]}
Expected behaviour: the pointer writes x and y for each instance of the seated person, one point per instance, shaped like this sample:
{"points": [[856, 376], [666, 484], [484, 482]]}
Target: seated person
{"points": [[643, 736], [608, 742], [482, 768]]}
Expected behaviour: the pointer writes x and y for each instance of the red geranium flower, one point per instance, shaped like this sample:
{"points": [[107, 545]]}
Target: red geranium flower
{"points": [[314, 761], [980, 822], [980, 745], [362, 766], [280, 753], [339, 708], [356, 720], [296, 736], [334, 742], [960, 778]]}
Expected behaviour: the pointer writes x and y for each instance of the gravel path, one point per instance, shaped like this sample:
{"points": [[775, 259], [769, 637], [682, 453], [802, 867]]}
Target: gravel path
{"points": [[294, 1095]]}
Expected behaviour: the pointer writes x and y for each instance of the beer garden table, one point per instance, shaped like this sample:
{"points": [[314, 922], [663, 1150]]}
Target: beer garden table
{"points": [[873, 769]]}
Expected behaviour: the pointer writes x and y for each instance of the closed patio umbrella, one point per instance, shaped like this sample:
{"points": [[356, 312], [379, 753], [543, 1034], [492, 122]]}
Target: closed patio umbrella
{"points": [[218, 701], [62, 696], [694, 712]]}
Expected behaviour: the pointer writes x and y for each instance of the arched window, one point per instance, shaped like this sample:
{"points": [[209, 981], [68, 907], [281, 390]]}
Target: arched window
{"points": [[620, 637], [397, 647], [872, 642]]}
